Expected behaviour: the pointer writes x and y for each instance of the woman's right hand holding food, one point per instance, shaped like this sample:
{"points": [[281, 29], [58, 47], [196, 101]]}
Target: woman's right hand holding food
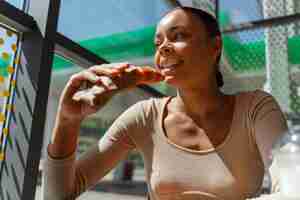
{"points": [[89, 90]]}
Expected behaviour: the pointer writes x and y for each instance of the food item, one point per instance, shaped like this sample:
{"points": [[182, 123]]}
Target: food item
{"points": [[138, 75], [127, 78]]}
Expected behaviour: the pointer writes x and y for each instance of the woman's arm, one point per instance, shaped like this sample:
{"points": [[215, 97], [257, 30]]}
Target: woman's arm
{"points": [[60, 177], [66, 178], [269, 125]]}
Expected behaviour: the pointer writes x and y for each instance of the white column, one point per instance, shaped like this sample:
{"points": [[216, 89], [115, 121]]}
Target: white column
{"points": [[290, 9], [297, 10], [277, 66]]}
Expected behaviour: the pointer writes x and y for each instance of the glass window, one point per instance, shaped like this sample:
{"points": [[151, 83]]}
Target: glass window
{"points": [[125, 36], [242, 46], [115, 30], [96, 125], [17, 3], [234, 12], [8, 61], [104, 18]]}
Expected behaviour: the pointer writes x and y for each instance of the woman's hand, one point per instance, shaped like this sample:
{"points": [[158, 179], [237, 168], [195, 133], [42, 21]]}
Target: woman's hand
{"points": [[100, 84]]}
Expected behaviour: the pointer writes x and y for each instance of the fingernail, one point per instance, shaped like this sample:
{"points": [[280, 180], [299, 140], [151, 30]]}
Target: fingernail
{"points": [[115, 71], [96, 78], [113, 87], [108, 82]]}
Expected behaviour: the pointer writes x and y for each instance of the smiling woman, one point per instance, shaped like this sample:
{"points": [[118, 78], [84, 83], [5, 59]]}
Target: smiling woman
{"points": [[180, 137], [182, 33]]}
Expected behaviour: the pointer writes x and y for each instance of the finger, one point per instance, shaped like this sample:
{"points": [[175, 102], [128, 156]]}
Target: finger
{"points": [[88, 95], [101, 70], [122, 66], [100, 100], [108, 83], [94, 96], [120, 69], [78, 80], [109, 70]]}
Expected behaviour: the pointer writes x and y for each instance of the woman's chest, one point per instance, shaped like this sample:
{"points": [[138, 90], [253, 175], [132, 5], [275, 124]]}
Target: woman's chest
{"points": [[228, 172], [185, 132], [182, 175], [200, 177]]}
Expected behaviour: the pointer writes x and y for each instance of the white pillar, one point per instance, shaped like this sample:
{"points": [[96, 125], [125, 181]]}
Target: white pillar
{"points": [[277, 66], [290, 7], [297, 10]]}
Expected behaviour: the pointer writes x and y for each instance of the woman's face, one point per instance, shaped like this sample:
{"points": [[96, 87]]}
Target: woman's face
{"points": [[185, 53]]}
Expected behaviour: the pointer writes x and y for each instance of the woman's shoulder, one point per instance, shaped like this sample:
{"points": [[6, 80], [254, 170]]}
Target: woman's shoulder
{"points": [[255, 96], [259, 102], [148, 107], [258, 93]]}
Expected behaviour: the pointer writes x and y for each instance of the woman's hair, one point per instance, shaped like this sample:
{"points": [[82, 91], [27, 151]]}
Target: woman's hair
{"points": [[213, 30]]}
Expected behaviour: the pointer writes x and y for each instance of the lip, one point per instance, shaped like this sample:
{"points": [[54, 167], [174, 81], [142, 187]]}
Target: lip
{"points": [[167, 71], [166, 65]]}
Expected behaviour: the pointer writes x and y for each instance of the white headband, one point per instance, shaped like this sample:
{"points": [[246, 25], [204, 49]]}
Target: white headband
{"points": [[207, 6]]}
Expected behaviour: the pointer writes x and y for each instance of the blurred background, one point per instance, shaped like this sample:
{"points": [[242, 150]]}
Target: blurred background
{"points": [[261, 41]]}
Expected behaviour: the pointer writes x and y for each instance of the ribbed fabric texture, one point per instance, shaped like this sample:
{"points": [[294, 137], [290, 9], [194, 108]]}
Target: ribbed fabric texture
{"points": [[232, 171]]}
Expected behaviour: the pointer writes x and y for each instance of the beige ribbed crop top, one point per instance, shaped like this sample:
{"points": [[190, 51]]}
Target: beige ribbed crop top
{"points": [[233, 170]]}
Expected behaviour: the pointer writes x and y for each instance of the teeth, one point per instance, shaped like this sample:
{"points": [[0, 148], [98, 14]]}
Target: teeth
{"points": [[168, 65]]}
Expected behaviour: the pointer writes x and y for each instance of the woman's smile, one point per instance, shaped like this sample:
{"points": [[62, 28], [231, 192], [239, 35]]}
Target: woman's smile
{"points": [[169, 66]]}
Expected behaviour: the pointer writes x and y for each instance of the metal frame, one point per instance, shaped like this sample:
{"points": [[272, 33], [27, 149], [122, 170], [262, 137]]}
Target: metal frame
{"points": [[217, 9], [72, 51], [15, 18], [42, 79], [271, 22]]}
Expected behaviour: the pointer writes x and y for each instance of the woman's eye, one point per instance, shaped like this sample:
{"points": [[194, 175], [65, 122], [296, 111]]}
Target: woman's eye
{"points": [[179, 36]]}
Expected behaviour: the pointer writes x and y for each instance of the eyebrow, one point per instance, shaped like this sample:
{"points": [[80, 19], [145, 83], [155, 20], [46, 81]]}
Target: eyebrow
{"points": [[172, 29]]}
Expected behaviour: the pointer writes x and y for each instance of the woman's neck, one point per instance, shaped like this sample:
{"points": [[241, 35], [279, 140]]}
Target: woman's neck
{"points": [[200, 103]]}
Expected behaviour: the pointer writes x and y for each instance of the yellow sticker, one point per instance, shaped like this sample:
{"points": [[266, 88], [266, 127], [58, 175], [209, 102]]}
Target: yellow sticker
{"points": [[9, 33], [5, 131], [1, 41], [10, 69], [2, 117], [5, 93], [1, 156], [5, 56], [13, 82], [17, 60], [9, 107], [14, 47], [2, 79]]}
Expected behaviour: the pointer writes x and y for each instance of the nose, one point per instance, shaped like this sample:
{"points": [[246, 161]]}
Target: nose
{"points": [[166, 49]]}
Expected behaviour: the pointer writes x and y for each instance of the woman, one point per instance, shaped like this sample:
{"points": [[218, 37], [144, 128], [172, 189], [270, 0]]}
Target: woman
{"points": [[200, 144]]}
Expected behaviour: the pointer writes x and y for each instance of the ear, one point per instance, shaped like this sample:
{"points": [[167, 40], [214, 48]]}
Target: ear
{"points": [[217, 45]]}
